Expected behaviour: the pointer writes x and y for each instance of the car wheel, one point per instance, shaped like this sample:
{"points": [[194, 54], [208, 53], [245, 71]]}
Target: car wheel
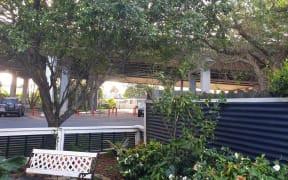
{"points": [[19, 114], [5, 115]]}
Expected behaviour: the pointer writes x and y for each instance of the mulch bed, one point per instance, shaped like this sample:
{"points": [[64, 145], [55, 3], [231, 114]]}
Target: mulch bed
{"points": [[107, 167]]}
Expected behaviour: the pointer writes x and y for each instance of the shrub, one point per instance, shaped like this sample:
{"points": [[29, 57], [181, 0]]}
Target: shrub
{"points": [[156, 161], [278, 81], [10, 165], [197, 121], [225, 164], [139, 162], [108, 104]]}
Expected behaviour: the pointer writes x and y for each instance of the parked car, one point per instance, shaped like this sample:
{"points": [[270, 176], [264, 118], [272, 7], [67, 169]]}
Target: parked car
{"points": [[141, 112], [11, 105], [140, 108]]}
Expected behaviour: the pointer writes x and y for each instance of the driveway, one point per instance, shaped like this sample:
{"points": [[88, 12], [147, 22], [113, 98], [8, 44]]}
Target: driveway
{"points": [[123, 118]]}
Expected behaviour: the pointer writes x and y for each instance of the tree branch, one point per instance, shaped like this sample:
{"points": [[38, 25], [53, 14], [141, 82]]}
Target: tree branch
{"points": [[260, 61], [221, 50], [250, 39]]}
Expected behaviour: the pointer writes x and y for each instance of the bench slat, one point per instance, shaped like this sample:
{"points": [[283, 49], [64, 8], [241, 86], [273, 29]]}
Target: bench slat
{"points": [[68, 153], [55, 173]]}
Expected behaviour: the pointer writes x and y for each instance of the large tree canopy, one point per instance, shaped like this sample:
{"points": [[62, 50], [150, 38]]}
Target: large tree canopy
{"points": [[88, 40], [254, 32], [83, 39]]}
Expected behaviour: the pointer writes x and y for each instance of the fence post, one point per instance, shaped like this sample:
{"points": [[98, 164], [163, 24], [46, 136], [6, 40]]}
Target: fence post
{"points": [[137, 137], [92, 111], [134, 111], [59, 139], [33, 111]]}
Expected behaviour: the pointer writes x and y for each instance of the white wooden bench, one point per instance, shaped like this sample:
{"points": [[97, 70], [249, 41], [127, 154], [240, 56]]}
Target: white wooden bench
{"points": [[62, 163]]}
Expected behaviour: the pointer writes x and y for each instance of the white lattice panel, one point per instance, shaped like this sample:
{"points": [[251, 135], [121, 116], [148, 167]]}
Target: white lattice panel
{"points": [[66, 163], [61, 162]]}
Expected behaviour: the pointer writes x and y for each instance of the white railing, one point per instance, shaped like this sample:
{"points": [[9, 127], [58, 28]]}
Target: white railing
{"points": [[60, 132]]}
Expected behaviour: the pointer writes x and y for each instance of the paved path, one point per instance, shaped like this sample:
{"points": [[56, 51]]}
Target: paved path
{"points": [[123, 118]]}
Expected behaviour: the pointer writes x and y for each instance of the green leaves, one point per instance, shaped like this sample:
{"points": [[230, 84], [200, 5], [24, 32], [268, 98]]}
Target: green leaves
{"points": [[278, 81], [10, 165]]}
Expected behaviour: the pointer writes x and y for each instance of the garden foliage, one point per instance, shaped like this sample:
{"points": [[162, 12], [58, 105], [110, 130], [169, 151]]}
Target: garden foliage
{"points": [[10, 165], [278, 79], [153, 161], [190, 122]]}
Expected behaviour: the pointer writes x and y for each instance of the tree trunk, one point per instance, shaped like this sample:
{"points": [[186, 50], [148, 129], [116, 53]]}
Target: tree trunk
{"points": [[95, 82], [261, 76], [92, 97]]}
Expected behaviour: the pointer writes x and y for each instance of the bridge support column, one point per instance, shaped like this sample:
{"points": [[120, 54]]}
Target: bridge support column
{"points": [[13, 84], [25, 90], [63, 90], [205, 80]]}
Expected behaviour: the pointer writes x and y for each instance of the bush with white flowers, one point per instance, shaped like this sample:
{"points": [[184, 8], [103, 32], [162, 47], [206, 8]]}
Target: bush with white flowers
{"points": [[224, 164]]}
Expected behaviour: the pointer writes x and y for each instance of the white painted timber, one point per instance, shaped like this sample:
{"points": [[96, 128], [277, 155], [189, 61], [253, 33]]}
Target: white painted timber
{"points": [[62, 163]]}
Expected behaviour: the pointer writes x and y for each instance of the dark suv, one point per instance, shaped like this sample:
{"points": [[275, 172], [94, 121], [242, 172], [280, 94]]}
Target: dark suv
{"points": [[11, 105]]}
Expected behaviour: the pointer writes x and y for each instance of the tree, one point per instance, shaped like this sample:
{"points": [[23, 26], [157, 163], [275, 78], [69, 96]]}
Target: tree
{"points": [[83, 40], [88, 40], [179, 27], [254, 33], [110, 32], [39, 35], [136, 91], [33, 98], [114, 91]]}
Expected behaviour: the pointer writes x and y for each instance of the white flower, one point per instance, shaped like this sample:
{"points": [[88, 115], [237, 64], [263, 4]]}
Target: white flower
{"points": [[125, 161], [127, 172], [184, 178], [137, 155], [171, 177], [236, 155], [117, 158], [196, 167], [276, 167]]}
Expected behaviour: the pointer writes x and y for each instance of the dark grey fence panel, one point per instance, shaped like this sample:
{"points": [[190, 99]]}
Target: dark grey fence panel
{"points": [[23, 145], [95, 142], [252, 128], [155, 128], [91, 142]]}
